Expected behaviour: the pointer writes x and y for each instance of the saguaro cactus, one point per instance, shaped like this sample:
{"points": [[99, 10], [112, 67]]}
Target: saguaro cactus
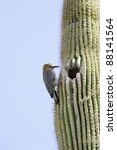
{"points": [[77, 114]]}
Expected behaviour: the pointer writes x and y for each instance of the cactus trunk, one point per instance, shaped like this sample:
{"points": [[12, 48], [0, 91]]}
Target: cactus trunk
{"points": [[77, 115]]}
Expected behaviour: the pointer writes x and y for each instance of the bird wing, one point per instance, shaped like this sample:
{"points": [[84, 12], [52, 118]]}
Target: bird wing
{"points": [[49, 79]]}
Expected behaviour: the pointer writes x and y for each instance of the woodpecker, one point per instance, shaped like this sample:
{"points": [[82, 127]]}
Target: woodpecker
{"points": [[50, 80]]}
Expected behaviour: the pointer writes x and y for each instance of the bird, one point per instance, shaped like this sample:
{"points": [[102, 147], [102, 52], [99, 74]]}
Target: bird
{"points": [[50, 80]]}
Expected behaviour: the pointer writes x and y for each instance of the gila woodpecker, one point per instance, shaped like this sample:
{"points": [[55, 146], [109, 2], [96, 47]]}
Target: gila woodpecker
{"points": [[50, 80]]}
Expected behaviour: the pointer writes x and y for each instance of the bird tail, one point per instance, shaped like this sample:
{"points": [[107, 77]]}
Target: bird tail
{"points": [[56, 97]]}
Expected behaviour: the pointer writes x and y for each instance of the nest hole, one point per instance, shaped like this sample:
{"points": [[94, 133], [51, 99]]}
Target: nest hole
{"points": [[72, 72]]}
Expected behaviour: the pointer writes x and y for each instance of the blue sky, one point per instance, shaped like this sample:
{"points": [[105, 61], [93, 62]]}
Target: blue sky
{"points": [[29, 37]]}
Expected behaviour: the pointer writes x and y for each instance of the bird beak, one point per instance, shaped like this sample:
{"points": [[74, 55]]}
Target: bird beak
{"points": [[56, 66]]}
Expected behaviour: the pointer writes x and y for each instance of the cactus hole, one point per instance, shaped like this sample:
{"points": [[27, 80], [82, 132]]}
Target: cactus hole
{"points": [[72, 72]]}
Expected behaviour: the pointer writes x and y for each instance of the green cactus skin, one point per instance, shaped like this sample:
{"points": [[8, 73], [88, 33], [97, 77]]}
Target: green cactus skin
{"points": [[77, 116]]}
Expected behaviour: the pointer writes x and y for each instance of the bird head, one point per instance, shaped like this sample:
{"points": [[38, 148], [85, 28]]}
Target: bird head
{"points": [[47, 67]]}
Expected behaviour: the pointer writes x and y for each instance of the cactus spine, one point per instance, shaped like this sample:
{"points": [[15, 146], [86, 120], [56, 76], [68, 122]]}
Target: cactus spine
{"points": [[77, 115]]}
